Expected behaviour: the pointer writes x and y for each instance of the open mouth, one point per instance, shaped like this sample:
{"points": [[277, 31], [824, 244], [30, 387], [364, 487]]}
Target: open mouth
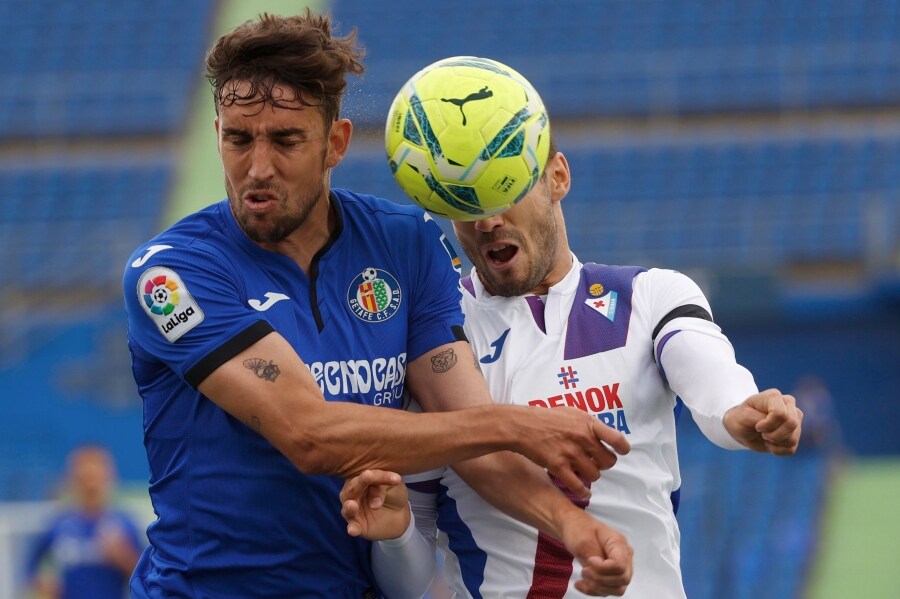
{"points": [[501, 254], [259, 200], [259, 197]]}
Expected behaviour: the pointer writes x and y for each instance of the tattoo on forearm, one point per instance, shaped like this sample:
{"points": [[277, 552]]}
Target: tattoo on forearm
{"points": [[443, 361], [268, 371], [255, 423]]}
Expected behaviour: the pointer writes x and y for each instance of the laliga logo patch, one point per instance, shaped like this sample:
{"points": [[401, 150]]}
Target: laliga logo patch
{"points": [[168, 303], [374, 295]]}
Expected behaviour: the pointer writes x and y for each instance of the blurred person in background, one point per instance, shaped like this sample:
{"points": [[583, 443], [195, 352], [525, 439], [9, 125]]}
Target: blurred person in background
{"points": [[622, 343], [821, 426], [271, 332], [90, 548]]}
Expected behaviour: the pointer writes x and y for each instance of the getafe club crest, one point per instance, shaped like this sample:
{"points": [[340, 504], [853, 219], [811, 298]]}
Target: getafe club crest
{"points": [[374, 295]]}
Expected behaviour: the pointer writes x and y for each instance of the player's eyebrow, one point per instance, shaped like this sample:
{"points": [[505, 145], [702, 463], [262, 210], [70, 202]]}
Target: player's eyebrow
{"points": [[282, 133], [289, 132], [233, 131]]}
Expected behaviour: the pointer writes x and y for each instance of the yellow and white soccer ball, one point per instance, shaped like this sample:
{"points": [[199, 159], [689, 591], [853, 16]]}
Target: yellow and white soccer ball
{"points": [[467, 137]]}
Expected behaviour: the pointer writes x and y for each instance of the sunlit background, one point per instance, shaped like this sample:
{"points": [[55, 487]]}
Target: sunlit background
{"points": [[754, 145]]}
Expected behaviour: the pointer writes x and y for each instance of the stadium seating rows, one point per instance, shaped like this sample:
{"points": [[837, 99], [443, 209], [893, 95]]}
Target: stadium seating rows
{"points": [[757, 515], [72, 225], [717, 204], [76, 69], [643, 57]]}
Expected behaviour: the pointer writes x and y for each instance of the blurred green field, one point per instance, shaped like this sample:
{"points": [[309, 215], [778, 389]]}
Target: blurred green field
{"points": [[860, 544]]}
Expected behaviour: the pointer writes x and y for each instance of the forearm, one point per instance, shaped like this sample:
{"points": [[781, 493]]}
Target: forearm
{"points": [[518, 488], [345, 439]]}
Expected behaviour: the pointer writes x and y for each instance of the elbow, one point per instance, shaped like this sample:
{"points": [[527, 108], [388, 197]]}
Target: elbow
{"points": [[317, 454], [310, 455]]}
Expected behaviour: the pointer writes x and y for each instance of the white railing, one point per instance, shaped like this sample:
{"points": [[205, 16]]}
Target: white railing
{"points": [[21, 522]]}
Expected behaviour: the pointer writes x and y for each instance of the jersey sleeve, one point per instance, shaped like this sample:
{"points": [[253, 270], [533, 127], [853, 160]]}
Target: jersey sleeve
{"points": [[436, 315], [405, 566], [185, 308], [694, 357]]}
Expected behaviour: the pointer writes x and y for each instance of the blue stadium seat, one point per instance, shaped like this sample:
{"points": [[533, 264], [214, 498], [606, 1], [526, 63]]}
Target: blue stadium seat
{"points": [[731, 547], [67, 226], [96, 68], [751, 203], [644, 57]]}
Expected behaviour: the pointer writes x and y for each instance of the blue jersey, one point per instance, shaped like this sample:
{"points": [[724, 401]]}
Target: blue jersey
{"points": [[235, 517], [73, 545]]}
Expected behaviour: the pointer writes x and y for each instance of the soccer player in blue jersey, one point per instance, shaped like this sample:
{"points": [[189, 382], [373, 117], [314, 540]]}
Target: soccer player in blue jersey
{"points": [[275, 335], [90, 548]]}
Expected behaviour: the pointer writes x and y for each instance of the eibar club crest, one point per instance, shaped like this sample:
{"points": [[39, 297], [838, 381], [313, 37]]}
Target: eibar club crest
{"points": [[374, 295], [605, 305]]}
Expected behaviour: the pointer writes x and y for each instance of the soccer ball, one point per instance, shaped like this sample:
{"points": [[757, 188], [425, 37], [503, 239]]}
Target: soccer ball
{"points": [[467, 137]]}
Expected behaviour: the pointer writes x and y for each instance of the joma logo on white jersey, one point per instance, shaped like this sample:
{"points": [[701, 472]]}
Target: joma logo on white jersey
{"points": [[384, 376]]}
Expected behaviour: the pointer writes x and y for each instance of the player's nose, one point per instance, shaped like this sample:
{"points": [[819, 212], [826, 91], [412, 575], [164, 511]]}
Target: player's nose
{"points": [[486, 225]]}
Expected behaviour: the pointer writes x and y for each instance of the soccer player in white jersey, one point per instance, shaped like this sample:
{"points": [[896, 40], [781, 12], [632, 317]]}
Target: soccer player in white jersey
{"points": [[622, 344]]}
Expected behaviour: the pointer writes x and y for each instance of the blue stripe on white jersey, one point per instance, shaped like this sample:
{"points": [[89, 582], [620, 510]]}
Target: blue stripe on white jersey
{"points": [[472, 558]]}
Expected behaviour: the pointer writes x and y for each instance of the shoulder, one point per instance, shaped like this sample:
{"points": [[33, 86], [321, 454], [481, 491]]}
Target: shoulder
{"points": [[399, 227], [196, 240], [358, 207], [662, 281]]}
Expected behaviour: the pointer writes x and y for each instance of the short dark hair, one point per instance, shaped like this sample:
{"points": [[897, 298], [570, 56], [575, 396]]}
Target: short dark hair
{"points": [[298, 51]]}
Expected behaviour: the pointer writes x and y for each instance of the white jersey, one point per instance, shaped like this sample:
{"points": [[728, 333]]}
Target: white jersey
{"points": [[595, 343]]}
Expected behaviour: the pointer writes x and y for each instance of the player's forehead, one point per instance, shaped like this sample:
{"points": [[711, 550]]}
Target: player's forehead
{"points": [[241, 105]]}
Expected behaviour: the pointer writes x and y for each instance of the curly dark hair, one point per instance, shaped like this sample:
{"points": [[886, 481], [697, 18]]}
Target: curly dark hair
{"points": [[298, 52]]}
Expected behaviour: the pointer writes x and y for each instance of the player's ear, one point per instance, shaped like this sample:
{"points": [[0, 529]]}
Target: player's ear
{"points": [[218, 137], [338, 142], [558, 176]]}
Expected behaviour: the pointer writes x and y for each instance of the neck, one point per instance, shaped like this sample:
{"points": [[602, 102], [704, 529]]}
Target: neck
{"points": [[306, 240]]}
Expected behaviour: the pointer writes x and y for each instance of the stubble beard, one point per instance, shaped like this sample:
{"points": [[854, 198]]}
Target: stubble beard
{"points": [[272, 229], [541, 254]]}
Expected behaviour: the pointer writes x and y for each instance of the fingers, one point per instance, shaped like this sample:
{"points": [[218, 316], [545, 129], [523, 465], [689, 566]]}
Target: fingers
{"points": [[371, 485], [601, 584], [608, 575], [601, 457], [781, 426], [611, 437], [574, 482], [350, 511]]}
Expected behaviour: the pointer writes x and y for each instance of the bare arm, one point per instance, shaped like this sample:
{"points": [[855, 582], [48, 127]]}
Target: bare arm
{"points": [[283, 404], [449, 379]]}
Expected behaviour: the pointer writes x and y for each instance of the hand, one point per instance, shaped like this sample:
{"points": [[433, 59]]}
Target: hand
{"points": [[117, 550], [604, 554], [45, 587], [375, 505], [571, 445], [766, 422]]}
